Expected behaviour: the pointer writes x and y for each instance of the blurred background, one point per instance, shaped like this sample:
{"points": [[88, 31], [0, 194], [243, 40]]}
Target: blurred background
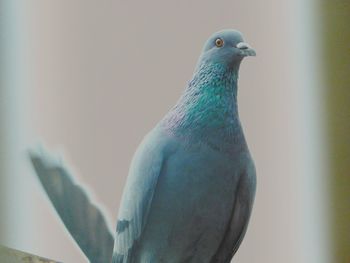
{"points": [[90, 78]]}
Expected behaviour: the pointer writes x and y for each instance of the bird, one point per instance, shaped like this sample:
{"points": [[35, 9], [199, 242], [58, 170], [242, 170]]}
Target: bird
{"points": [[191, 185]]}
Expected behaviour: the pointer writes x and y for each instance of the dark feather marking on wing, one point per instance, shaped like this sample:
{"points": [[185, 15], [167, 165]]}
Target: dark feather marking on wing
{"points": [[122, 225]]}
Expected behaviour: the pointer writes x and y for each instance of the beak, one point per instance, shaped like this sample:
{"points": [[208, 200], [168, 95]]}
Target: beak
{"points": [[246, 50]]}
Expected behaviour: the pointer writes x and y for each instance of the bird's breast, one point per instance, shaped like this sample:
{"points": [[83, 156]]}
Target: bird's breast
{"points": [[192, 204]]}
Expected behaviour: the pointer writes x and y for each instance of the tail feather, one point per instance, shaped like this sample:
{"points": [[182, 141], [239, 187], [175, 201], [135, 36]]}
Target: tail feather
{"points": [[83, 219]]}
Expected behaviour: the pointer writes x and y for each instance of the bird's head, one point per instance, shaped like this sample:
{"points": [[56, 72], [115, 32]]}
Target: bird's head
{"points": [[227, 48]]}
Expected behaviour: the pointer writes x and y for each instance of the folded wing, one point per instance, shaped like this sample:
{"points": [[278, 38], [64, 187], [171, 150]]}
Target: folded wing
{"points": [[137, 197]]}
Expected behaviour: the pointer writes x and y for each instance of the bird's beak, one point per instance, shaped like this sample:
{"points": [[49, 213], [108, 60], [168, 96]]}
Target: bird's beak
{"points": [[246, 49]]}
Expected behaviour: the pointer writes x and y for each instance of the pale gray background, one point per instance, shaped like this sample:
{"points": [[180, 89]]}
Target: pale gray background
{"points": [[94, 76]]}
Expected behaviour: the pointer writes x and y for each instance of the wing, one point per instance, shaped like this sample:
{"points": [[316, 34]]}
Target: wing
{"points": [[239, 218], [83, 219], [138, 193]]}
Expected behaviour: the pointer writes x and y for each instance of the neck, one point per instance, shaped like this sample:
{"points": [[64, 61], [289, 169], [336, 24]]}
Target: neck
{"points": [[207, 110]]}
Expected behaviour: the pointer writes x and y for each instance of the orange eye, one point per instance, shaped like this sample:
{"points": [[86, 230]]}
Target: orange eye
{"points": [[219, 42]]}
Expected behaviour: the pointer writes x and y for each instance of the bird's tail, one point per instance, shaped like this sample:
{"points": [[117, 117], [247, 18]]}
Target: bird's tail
{"points": [[83, 219]]}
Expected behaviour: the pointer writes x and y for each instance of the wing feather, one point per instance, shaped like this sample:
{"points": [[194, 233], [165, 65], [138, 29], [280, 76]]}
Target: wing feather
{"points": [[138, 193], [83, 219]]}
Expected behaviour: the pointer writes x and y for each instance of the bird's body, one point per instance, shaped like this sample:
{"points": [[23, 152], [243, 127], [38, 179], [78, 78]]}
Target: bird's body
{"points": [[189, 215], [192, 181], [191, 184]]}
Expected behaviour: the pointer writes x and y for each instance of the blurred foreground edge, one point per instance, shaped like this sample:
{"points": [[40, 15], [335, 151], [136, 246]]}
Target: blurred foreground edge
{"points": [[9, 255]]}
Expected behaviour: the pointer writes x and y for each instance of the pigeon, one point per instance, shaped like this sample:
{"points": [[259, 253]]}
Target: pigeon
{"points": [[191, 184]]}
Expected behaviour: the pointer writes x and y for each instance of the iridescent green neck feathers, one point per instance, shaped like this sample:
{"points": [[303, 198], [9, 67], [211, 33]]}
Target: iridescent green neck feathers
{"points": [[207, 110]]}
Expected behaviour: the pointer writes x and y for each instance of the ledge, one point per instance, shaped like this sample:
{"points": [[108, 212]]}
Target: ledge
{"points": [[9, 255]]}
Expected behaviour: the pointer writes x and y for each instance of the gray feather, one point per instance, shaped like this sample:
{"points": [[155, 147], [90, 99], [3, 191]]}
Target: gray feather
{"points": [[83, 219]]}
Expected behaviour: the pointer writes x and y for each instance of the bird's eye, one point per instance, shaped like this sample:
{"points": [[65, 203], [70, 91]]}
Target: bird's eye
{"points": [[219, 42]]}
